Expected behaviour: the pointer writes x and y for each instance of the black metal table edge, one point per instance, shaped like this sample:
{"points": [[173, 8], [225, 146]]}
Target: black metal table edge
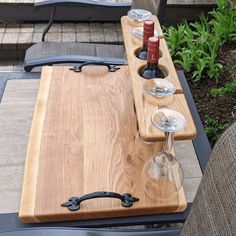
{"points": [[9, 221]]}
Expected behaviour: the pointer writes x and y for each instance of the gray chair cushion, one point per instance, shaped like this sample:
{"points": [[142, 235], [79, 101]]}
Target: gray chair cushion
{"points": [[50, 53], [214, 208], [45, 49]]}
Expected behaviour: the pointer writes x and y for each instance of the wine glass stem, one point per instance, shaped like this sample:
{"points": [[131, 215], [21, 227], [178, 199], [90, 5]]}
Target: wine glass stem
{"points": [[169, 141]]}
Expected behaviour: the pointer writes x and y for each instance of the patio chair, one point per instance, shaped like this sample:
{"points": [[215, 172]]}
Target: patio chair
{"points": [[213, 211], [49, 53]]}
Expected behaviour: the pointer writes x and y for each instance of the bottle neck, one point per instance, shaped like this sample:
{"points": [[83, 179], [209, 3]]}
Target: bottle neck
{"points": [[152, 65], [144, 47], [148, 33], [153, 51], [152, 57]]}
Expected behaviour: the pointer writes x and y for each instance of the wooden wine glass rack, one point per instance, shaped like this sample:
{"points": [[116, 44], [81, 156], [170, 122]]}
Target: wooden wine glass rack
{"points": [[144, 105]]}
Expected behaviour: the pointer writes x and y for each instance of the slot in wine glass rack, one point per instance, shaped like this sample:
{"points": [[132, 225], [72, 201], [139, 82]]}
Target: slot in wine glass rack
{"points": [[145, 105]]}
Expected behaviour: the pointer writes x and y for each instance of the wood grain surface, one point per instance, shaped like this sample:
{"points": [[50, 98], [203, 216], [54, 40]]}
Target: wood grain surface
{"points": [[29, 189], [145, 105], [86, 145]]}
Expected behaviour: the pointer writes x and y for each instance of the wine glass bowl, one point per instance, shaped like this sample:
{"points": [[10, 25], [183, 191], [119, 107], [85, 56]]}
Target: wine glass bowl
{"points": [[139, 14], [137, 33], [159, 88], [158, 92], [162, 175]]}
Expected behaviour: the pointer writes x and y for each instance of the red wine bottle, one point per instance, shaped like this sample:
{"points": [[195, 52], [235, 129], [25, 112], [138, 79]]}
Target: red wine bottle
{"points": [[151, 70], [148, 31]]}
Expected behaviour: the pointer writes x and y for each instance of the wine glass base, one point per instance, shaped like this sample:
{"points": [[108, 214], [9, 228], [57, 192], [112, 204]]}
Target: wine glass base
{"points": [[168, 120], [139, 14]]}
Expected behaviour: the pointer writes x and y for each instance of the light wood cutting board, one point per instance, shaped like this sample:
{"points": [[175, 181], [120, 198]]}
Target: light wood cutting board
{"points": [[82, 141]]}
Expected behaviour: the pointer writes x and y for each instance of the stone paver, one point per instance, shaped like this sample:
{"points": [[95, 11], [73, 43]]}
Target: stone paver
{"points": [[187, 158], [20, 93], [68, 37], [68, 27], [1, 37], [95, 27], [56, 28], [15, 123], [111, 37], [109, 27], [24, 39], [120, 38], [83, 37], [15, 174], [22, 36], [2, 28], [98, 37], [27, 28], [13, 28], [9, 40], [39, 27], [54, 37], [37, 37], [118, 27], [190, 186], [82, 28]]}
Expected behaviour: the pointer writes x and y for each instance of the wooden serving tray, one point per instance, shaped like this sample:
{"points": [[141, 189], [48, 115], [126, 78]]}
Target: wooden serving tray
{"points": [[82, 141], [143, 106]]}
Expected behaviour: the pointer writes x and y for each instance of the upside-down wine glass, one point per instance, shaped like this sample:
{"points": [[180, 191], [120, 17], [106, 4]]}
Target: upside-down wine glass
{"points": [[153, 90], [162, 175]]}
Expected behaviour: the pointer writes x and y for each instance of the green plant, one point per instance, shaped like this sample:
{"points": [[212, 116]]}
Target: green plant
{"points": [[214, 128], [224, 21], [175, 38], [229, 88], [194, 46]]}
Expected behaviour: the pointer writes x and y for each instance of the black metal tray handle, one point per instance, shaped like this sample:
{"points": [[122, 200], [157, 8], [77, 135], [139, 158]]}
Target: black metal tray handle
{"points": [[73, 203], [111, 68]]}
